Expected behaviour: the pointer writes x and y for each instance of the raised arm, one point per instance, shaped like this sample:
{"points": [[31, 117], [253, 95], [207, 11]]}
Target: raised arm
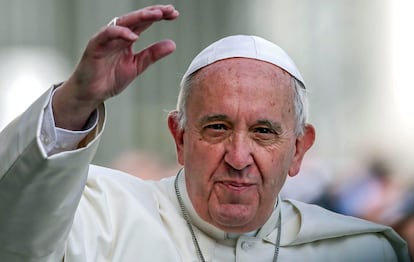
{"points": [[109, 64], [39, 193]]}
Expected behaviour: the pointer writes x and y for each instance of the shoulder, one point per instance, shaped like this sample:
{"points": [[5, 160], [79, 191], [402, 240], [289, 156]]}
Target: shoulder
{"points": [[319, 225], [112, 195], [111, 188], [111, 183], [118, 209], [112, 179], [312, 216]]}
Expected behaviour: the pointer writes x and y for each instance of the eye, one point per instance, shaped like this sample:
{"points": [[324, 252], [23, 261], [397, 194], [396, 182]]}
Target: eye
{"points": [[264, 130], [215, 132], [217, 127], [264, 135]]}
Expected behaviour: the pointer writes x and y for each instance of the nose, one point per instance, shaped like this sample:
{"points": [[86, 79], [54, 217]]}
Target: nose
{"points": [[238, 153]]}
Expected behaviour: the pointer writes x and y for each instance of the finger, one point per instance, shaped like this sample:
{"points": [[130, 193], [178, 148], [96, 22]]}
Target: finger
{"points": [[169, 11], [141, 19], [153, 53], [118, 32], [111, 34]]}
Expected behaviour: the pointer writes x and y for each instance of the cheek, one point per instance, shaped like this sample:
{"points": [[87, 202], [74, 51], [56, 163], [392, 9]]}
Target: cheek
{"points": [[275, 168], [201, 162], [201, 154]]}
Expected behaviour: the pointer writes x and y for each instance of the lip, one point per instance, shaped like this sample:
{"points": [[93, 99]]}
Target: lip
{"points": [[236, 186]]}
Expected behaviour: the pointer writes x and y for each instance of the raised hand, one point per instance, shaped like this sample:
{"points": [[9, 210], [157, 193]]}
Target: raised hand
{"points": [[109, 64]]}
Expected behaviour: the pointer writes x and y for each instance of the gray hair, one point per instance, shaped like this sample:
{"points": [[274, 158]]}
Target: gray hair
{"points": [[300, 102]]}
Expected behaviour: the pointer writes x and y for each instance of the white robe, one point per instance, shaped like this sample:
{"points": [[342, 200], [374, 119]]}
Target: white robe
{"points": [[62, 207]]}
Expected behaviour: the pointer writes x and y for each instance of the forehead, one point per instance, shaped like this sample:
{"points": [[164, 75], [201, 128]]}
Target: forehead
{"points": [[241, 67], [241, 84], [243, 75]]}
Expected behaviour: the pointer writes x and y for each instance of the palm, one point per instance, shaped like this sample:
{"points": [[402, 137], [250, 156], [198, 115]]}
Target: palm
{"points": [[109, 64], [109, 70]]}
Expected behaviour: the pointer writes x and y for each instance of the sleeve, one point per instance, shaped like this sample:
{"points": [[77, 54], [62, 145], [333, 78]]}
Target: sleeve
{"points": [[39, 194], [54, 140]]}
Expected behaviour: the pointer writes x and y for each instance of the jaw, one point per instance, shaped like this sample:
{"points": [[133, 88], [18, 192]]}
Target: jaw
{"points": [[236, 209]]}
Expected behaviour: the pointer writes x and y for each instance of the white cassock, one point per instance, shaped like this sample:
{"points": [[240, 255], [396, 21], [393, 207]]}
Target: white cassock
{"points": [[61, 208]]}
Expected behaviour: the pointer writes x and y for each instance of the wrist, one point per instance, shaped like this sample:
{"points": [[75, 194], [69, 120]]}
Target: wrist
{"points": [[69, 112]]}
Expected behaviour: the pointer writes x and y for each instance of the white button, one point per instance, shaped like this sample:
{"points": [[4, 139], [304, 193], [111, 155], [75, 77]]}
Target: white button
{"points": [[245, 245], [45, 139], [61, 146]]}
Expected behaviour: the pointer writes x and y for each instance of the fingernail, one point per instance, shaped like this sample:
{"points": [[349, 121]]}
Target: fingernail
{"points": [[133, 36]]}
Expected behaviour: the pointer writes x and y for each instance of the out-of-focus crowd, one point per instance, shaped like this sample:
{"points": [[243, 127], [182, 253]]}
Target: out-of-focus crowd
{"points": [[372, 190]]}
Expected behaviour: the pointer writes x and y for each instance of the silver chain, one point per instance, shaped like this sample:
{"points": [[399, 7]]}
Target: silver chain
{"points": [[279, 230], [193, 236], [187, 219]]}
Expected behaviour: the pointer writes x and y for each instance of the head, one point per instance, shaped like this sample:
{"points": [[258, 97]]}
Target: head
{"points": [[240, 129]]}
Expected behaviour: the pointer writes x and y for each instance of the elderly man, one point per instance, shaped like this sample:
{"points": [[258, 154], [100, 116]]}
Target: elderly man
{"points": [[239, 129]]}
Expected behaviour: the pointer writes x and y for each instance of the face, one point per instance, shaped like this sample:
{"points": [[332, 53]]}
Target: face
{"points": [[239, 144]]}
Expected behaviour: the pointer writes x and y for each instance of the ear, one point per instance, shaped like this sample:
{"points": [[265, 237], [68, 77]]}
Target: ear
{"points": [[303, 143], [178, 135]]}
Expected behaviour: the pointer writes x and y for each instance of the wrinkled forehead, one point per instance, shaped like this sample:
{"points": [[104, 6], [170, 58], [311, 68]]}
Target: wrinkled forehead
{"points": [[239, 69], [243, 46], [245, 81]]}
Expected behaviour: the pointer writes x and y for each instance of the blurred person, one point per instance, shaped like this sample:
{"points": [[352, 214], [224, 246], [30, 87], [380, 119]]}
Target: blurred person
{"points": [[239, 129], [312, 183], [404, 224], [371, 193], [405, 228]]}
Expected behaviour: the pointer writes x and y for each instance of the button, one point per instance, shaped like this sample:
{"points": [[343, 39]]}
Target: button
{"points": [[61, 146], [44, 139], [245, 245]]}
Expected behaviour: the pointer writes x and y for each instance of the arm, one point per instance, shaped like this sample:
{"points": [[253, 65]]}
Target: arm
{"points": [[39, 193]]}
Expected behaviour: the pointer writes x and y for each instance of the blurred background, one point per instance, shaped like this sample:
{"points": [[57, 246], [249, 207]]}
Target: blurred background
{"points": [[355, 55]]}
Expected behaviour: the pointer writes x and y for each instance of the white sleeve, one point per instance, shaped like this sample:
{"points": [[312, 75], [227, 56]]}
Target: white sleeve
{"points": [[39, 193], [55, 140]]}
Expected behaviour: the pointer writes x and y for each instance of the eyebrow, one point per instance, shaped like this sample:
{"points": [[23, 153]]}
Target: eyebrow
{"points": [[276, 126], [211, 118]]}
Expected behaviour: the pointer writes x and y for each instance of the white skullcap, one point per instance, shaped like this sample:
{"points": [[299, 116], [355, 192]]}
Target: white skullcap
{"points": [[253, 47]]}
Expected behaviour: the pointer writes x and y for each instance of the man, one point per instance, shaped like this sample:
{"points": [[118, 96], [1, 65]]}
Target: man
{"points": [[239, 128]]}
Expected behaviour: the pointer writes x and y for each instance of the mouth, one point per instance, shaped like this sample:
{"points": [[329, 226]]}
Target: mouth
{"points": [[236, 186]]}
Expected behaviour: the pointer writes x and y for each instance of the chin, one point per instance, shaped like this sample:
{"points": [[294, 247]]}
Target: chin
{"points": [[235, 218]]}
